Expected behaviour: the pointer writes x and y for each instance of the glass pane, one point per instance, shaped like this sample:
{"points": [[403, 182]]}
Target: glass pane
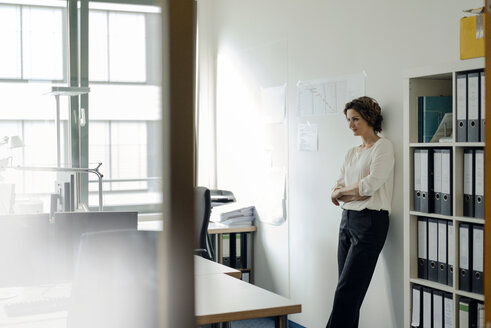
{"points": [[125, 109], [98, 64], [39, 150], [129, 154], [42, 37], [124, 102], [9, 128], [10, 41], [99, 149], [127, 62]]}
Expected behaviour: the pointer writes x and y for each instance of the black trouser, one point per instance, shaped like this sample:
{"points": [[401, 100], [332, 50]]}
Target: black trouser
{"points": [[361, 238]]}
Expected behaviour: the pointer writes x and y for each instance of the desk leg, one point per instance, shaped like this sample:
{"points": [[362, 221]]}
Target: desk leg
{"points": [[213, 240], [220, 248], [233, 250], [251, 274], [281, 321]]}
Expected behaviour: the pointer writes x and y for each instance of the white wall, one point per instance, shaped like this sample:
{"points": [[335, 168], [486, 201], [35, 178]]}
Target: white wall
{"points": [[310, 40]]}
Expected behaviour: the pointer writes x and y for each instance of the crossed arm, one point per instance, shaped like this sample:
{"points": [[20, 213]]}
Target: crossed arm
{"points": [[347, 194]]}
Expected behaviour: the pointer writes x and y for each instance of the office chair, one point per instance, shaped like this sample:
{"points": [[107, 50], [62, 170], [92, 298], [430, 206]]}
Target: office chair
{"points": [[116, 281], [202, 218]]}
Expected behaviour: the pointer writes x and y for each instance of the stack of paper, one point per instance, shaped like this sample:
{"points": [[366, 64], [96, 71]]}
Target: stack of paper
{"points": [[233, 214]]}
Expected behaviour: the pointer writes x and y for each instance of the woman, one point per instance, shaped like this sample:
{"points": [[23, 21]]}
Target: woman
{"points": [[365, 189]]}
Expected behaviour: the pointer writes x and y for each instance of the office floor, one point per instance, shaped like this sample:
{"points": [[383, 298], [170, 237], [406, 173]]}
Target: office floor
{"points": [[254, 323], [257, 323]]}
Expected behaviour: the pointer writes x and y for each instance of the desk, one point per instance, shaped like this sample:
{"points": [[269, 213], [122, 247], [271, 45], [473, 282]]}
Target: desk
{"points": [[203, 266], [247, 244], [221, 298], [216, 234]]}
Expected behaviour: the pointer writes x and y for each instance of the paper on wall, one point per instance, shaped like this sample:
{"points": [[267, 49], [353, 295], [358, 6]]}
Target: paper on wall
{"points": [[307, 137], [329, 95]]}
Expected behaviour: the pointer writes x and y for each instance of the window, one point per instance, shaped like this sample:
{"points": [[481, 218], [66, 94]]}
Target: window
{"points": [[124, 101], [10, 56], [117, 46], [32, 42], [42, 43], [124, 135]]}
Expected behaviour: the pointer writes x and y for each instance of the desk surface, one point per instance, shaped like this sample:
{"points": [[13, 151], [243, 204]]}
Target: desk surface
{"points": [[157, 225], [203, 266], [221, 298], [214, 229]]}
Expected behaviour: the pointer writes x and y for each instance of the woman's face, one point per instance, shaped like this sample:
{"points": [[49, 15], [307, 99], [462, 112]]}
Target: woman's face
{"points": [[356, 123]]}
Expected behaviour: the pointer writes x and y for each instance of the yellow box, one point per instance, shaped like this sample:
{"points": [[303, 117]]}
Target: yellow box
{"points": [[472, 36]]}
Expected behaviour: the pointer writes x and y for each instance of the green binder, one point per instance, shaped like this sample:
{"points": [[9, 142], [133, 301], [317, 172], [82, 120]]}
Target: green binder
{"points": [[431, 110]]}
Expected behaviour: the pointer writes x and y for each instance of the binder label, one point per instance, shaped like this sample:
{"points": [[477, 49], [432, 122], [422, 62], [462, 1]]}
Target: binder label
{"points": [[427, 307], [464, 248], [461, 98], [477, 250], [433, 241], [416, 308], [473, 97], [442, 242], [417, 170], [448, 303], [483, 96], [422, 239], [424, 171], [451, 250], [446, 173], [437, 172], [468, 173], [479, 173], [437, 310]]}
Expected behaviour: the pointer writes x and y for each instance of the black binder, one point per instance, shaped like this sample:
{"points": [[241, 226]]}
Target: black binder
{"points": [[461, 107], [442, 251], [477, 258], [465, 257], [473, 122], [479, 183], [437, 181], [482, 105], [451, 252], [467, 312], [422, 248], [417, 180], [468, 182], [447, 182], [433, 249]]}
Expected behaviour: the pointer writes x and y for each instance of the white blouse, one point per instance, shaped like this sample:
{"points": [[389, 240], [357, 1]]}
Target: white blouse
{"points": [[373, 168]]}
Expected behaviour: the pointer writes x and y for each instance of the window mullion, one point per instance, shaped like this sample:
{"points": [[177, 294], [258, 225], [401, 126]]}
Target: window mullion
{"points": [[84, 99]]}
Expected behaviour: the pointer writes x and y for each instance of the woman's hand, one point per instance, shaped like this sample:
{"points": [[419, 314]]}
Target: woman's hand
{"points": [[335, 195]]}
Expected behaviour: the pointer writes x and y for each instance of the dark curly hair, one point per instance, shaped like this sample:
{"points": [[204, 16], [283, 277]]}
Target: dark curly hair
{"points": [[369, 110]]}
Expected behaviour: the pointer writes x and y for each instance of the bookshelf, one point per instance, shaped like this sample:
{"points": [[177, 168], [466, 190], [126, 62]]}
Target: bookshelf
{"points": [[433, 81]]}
